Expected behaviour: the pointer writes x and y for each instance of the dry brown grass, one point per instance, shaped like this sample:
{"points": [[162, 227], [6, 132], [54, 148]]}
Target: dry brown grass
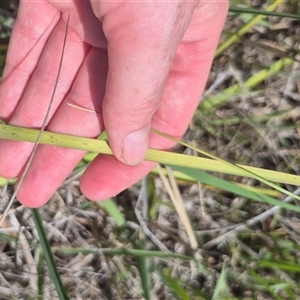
{"points": [[257, 127]]}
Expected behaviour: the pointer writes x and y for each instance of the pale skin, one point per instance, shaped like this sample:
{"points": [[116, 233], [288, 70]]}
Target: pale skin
{"points": [[142, 64]]}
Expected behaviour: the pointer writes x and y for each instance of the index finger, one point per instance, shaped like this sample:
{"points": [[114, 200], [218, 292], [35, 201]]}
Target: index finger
{"points": [[30, 33]]}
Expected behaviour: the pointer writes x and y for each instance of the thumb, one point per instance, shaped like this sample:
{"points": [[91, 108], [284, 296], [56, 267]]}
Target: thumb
{"points": [[142, 40]]}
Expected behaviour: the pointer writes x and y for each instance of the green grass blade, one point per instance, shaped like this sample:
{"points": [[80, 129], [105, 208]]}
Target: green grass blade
{"points": [[110, 207], [221, 290], [41, 276], [53, 272], [164, 157], [246, 172], [116, 251], [264, 283], [244, 29], [180, 177], [280, 265], [236, 9], [211, 103], [174, 286], [142, 265], [153, 199], [7, 238], [234, 188], [254, 119]]}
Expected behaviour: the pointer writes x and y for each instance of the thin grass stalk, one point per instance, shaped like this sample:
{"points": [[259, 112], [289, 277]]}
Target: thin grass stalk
{"points": [[163, 157], [53, 272], [244, 10]]}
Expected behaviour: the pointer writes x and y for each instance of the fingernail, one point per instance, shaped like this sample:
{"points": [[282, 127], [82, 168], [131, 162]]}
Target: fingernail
{"points": [[135, 146]]}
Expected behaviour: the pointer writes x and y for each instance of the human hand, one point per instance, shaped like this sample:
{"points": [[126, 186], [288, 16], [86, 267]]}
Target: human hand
{"points": [[142, 64]]}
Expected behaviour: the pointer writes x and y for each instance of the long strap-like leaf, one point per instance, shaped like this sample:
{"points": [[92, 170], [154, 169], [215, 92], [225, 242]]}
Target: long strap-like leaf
{"points": [[164, 157]]}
